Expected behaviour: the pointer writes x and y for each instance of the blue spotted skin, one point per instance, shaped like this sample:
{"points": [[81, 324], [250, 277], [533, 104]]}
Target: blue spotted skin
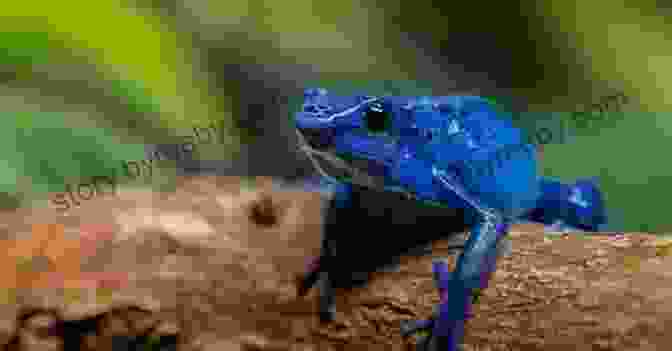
{"points": [[457, 151]]}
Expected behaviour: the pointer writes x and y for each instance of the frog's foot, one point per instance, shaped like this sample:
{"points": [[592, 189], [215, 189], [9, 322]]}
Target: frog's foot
{"points": [[424, 343], [300, 284], [328, 315], [504, 247], [410, 327], [560, 228], [429, 343], [406, 328], [327, 308]]}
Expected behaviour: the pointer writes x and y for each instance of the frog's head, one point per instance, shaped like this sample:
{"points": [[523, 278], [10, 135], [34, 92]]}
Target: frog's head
{"points": [[324, 116]]}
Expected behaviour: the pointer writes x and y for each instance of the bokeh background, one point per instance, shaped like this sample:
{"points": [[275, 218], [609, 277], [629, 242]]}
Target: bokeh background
{"points": [[86, 85]]}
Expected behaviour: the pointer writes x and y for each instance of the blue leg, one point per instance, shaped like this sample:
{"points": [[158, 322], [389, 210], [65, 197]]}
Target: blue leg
{"points": [[319, 269], [578, 206], [327, 304], [441, 274], [474, 269], [342, 198]]}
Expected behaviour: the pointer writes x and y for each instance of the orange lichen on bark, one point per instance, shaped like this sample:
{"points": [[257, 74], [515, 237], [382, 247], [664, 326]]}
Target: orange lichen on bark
{"points": [[50, 259]]}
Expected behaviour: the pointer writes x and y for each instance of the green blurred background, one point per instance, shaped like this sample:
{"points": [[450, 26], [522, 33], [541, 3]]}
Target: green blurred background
{"points": [[84, 85]]}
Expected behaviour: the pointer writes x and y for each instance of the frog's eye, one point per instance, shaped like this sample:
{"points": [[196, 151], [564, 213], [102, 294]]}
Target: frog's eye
{"points": [[376, 118]]}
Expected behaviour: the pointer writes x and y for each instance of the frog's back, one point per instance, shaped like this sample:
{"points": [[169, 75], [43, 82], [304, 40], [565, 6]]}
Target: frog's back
{"points": [[488, 154]]}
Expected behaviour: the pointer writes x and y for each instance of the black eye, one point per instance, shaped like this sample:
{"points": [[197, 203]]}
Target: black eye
{"points": [[376, 118]]}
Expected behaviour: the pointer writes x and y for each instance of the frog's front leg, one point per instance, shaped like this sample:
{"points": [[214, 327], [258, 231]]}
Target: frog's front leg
{"points": [[472, 274], [473, 270], [459, 289]]}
